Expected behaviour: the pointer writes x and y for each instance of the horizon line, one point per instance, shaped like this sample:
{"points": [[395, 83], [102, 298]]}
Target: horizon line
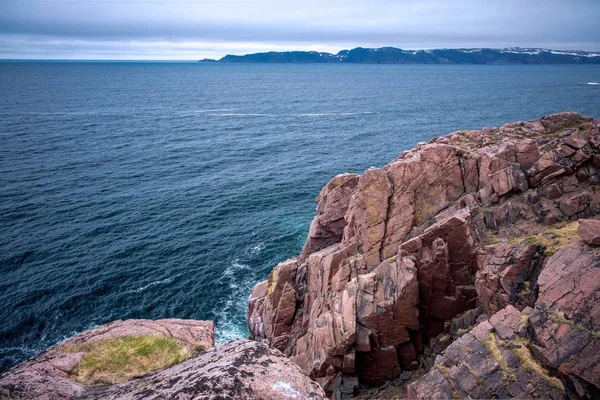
{"points": [[286, 51]]}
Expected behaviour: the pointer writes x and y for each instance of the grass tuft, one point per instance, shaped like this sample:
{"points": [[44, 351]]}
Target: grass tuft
{"points": [[120, 359], [554, 239], [560, 318], [521, 350], [492, 348]]}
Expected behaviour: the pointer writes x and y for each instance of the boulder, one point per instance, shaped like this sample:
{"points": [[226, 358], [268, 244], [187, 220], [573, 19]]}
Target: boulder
{"points": [[589, 231]]}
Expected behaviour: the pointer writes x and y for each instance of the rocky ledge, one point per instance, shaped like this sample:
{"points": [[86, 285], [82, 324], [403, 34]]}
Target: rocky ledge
{"points": [[241, 369], [494, 228]]}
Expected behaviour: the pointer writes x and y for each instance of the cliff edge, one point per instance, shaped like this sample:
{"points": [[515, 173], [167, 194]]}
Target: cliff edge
{"points": [[477, 227]]}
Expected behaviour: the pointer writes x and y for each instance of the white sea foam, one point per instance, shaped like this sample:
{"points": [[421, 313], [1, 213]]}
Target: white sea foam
{"points": [[155, 283], [216, 110], [240, 115], [235, 266], [593, 83], [332, 114], [254, 251]]}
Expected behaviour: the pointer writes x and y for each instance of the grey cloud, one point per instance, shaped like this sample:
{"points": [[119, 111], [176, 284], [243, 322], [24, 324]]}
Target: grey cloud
{"points": [[256, 23]]}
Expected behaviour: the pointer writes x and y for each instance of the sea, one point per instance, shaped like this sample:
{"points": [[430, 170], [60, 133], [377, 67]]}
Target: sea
{"points": [[167, 190]]}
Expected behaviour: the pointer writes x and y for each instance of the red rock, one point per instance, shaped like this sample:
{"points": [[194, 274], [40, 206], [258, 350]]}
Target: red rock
{"points": [[238, 369], [567, 320], [427, 215], [272, 305], [589, 231], [468, 369], [45, 376], [328, 226], [505, 277], [574, 205], [527, 153]]}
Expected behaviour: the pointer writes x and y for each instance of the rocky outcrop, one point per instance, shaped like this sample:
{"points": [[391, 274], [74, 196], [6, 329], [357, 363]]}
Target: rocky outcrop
{"points": [[46, 376], [464, 220], [552, 351], [589, 230], [506, 276], [241, 369]]}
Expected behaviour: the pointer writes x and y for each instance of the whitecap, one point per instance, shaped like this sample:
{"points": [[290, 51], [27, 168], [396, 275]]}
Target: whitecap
{"points": [[235, 266], [216, 110], [254, 251], [149, 285], [593, 83], [240, 115]]}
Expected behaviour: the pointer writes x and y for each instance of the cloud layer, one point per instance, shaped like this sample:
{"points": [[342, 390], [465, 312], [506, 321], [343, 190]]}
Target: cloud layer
{"points": [[194, 29]]}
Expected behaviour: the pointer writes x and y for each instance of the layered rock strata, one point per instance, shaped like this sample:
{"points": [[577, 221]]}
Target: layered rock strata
{"points": [[396, 254]]}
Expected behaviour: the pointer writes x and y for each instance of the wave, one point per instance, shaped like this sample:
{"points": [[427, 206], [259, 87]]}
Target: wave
{"points": [[230, 322], [240, 115], [321, 114], [333, 114], [155, 283], [235, 266], [593, 83], [215, 110], [255, 251]]}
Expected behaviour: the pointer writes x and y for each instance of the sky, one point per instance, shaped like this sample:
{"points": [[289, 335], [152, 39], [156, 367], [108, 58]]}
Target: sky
{"points": [[196, 29]]}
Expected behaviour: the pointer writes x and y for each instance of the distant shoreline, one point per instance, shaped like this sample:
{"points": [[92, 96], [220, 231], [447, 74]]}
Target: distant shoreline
{"points": [[392, 55]]}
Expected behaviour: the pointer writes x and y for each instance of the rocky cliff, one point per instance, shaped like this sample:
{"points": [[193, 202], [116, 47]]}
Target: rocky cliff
{"points": [[401, 261]]}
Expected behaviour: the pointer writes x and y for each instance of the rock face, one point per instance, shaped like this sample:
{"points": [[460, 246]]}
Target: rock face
{"points": [[395, 255], [589, 230], [241, 369], [46, 376], [552, 351]]}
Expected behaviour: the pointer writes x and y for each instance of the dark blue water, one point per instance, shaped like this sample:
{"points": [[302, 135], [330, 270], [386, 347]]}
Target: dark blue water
{"points": [[154, 190]]}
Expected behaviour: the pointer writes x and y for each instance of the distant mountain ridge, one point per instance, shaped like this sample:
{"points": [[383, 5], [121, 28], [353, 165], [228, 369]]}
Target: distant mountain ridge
{"points": [[392, 55]]}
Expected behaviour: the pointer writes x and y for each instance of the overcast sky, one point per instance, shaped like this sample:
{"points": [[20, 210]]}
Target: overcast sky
{"points": [[195, 29]]}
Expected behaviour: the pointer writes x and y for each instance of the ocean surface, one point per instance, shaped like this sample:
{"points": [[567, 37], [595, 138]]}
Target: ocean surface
{"points": [[158, 190]]}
